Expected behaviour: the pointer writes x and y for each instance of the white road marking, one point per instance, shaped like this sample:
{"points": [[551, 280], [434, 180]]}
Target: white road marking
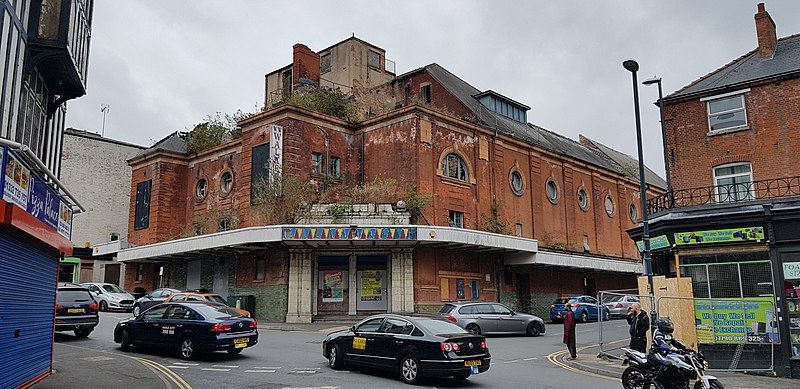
{"points": [[98, 358], [311, 387], [259, 371], [177, 367], [530, 359], [267, 368], [209, 369], [185, 364], [516, 360], [226, 366]]}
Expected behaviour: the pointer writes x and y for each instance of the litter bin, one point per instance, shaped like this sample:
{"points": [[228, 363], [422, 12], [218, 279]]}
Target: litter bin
{"points": [[246, 302]]}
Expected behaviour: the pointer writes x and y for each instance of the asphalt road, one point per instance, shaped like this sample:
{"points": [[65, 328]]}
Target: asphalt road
{"points": [[293, 359]]}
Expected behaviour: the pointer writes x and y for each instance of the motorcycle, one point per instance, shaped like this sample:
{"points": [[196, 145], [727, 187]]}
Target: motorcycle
{"points": [[675, 370]]}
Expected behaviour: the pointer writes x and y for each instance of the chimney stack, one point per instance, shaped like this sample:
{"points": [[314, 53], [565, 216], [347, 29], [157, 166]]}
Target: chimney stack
{"points": [[305, 64], [765, 29]]}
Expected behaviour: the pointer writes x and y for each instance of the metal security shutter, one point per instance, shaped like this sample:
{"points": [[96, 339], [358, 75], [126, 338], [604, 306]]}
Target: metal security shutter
{"points": [[27, 303]]}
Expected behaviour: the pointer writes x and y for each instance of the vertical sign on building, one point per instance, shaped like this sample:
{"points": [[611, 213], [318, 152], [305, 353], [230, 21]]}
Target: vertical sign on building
{"points": [[275, 153]]}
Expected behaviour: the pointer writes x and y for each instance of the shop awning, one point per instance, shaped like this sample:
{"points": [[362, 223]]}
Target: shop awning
{"points": [[330, 238]]}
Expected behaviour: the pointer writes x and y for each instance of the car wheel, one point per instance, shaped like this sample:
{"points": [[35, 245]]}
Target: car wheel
{"points": [[335, 357], [410, 370], [188, 348], [103, 306], [461, 377], [82, 333], [585, 316], [136, 310], [235, 351], [534, 328], [125, 341], [473, 329]]}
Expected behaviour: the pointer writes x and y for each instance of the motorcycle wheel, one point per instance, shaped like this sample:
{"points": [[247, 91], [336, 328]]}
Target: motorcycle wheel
{"points": [[715, 384], [633, 378]]}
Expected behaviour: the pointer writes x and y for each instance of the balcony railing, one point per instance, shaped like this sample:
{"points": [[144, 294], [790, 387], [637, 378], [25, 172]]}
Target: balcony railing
{"points": [[725, 194]]}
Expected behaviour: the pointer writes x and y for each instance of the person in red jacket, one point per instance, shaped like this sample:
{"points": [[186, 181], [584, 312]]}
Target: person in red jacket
{"points": [[569, 331]]}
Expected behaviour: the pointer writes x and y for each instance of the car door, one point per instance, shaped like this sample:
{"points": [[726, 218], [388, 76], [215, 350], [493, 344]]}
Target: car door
{"points": [[486, 318], [150, 300], [390, 341], [362, 346], [150, 323], [592, 305], [175, 321], [508, 321]]}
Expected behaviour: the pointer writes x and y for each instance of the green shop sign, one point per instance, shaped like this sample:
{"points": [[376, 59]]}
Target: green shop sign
{"points": [[658, 242], [736, 321], [728, 235]]}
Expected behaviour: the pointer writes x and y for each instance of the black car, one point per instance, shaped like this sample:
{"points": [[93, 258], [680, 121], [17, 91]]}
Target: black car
{"points": [[76, 310], [152, 299], [191, 328], [413, 346]]}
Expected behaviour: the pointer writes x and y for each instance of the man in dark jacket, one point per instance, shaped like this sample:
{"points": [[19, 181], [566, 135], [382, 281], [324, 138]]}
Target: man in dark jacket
{"points": [[569, 331], [640, 323]]}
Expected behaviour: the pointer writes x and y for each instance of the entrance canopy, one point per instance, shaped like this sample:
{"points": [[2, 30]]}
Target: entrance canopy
{"points": [[331, 238]]}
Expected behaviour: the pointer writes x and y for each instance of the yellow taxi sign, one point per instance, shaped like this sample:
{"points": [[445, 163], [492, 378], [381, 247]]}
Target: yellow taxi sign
{"points": [[359, 343]]}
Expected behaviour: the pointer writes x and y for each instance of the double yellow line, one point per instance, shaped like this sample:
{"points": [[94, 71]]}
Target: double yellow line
{"points": [[554, 358], [166, 372]]}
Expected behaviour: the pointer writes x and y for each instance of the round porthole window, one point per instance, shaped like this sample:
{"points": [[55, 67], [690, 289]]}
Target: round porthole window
{"points": [[226, 182], [609, 206], [634, 213], [517, 186], [201, 189], [552, 191], [583, 199]]}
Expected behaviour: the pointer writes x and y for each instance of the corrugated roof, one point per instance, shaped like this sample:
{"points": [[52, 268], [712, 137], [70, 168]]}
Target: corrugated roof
{"points": [[531, 133], [747, 68]]}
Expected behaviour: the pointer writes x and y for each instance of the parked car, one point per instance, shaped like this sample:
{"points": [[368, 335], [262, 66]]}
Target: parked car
{"points": [[585, 308], [110, 296], [412, 346], [491, 318], [152, 299], [191, 328], [76, 310], [198, 296], [619, 305]]}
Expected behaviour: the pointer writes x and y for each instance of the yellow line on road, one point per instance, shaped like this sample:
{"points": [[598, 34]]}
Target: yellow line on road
{"points": [[553, 358], [171, 375]]}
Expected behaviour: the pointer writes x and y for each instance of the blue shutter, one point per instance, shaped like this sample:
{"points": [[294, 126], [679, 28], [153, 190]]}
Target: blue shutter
{"points": [[27, 306]]}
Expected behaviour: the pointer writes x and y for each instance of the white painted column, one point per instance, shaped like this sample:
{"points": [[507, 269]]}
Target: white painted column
{"points": [[402, 295], [353, 285], [408, 279], [300, 285]]}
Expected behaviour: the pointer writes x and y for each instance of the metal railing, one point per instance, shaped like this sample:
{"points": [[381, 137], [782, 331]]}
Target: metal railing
{"points": [[725, 194]]}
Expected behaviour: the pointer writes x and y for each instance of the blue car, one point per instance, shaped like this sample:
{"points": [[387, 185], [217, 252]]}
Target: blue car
{"points": [[585, 308], [190, 328]]}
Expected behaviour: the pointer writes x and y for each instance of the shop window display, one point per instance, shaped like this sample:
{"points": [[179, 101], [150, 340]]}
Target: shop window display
{"points": [[791, 271]]}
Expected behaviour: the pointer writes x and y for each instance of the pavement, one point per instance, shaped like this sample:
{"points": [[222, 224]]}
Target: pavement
{"points": [[590, 362]]}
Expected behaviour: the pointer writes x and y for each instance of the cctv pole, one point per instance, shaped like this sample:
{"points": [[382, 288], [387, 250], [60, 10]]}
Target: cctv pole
{"points": [[632, 66]]}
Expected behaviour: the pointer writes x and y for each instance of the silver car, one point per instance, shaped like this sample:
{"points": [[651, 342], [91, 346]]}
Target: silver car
{"points": [[618, 305], [491, 318], [110, 296]]}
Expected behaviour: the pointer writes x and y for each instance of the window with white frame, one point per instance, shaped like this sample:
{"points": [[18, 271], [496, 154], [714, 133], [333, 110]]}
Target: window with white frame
{"points": [[335, 167], [316, 163], [456, 219], [453, 166], [726, 113], [734, 182]]}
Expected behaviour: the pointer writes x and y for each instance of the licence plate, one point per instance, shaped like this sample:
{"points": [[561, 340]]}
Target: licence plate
{"points": [[75, 310], [475, 362], [240, 342]]}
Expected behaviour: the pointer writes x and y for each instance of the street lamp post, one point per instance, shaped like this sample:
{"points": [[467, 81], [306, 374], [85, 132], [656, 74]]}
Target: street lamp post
{"points": [[657, 80], [632, 66]]}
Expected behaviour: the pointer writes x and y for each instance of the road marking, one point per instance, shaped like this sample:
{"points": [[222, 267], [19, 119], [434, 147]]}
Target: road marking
{"points": [[311, 387], [259, 371], [211, 369], [267, 368], [530, 359], [177, 367], [334, 329], [553, 358], [514, 361], [185, 364], [226, 366], [174, 377], [98, 358]]}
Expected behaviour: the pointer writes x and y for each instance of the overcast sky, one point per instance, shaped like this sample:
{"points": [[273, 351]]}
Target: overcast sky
{"points": [[164, 65]]}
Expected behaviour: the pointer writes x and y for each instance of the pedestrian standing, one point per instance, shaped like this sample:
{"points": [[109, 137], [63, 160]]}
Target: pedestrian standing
{"points": [[640, 323], [569, 331]]}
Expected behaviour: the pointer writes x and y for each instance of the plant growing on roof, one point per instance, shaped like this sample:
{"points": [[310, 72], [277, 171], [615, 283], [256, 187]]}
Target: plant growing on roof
{"points": [[331, 102]]}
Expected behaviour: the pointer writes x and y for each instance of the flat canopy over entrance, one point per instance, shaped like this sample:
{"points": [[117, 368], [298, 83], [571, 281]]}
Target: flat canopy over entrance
{"points": [[331, 238]]}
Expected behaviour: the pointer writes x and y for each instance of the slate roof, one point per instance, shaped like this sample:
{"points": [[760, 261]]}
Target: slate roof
{"points": [[746, 69], [630, 163], [531, 133], [174, 143]]}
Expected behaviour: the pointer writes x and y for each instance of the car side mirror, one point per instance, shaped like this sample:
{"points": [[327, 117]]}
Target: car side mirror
{"points": [[353, 329]]}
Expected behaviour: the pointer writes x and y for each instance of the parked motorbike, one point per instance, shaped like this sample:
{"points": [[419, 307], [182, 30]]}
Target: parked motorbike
{"points": [[675, 371]]}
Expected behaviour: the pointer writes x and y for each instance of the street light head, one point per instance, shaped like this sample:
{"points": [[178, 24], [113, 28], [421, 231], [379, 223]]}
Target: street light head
{"points": [[654, 80], [631, 65]]}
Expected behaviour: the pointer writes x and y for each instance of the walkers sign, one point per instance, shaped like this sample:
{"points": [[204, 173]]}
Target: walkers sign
{"points": [[735, 321]]}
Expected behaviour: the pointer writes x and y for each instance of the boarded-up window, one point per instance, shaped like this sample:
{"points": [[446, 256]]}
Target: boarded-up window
{"points": [[259, 171], [142, 210]]}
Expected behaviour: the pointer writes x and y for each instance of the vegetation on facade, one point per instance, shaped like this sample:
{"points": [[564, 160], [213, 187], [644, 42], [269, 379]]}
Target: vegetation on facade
{"points": [[494, 222], [416, 202], [283, 201], [331, 102], [217, 129]]}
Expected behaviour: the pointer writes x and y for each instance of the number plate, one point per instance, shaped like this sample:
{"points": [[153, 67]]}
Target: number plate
{"points": [[474, 362], [76, 310], [241, 340], [359, 343]]}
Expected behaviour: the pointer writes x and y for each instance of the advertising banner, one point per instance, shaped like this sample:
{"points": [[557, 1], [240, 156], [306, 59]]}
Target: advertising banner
{"points": [[371, 285], [332, 286], [16, 182], [657, 242], [65, 220], [43, 204], [728, 235], [275, 152], [736, 321]]}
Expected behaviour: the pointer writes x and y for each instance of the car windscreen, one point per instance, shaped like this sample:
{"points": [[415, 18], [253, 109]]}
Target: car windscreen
{"points": [[447, 308], [439, 327], [216, 311], [612, 299], [73, 296], [111, 288], [217, 299]]}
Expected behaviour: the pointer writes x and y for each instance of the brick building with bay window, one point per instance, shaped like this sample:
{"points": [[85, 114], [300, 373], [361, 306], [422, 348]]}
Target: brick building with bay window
{"points": [[565, 204]]}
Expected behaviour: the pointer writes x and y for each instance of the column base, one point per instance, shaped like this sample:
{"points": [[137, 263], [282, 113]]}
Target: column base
{"points": [[302, 319]]}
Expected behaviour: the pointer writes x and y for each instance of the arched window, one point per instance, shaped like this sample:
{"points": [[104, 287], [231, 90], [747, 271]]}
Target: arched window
{"points": [[453, 166]]}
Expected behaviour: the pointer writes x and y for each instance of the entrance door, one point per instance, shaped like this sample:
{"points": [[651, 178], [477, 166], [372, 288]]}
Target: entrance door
{"points": [[220, 284], [333, 290], [193, 275], [111, 275], [371, 283]]}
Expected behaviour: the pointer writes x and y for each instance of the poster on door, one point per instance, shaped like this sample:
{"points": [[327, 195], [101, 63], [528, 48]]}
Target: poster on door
{"points": [[371, 285], [332, 286]]}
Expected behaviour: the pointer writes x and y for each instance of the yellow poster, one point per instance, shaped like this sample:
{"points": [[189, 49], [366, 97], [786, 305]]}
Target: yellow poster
{"points": [[371, 285]]}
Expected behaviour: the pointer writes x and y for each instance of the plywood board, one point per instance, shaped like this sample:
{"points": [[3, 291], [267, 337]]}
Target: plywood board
{"points": [[673, 298]]}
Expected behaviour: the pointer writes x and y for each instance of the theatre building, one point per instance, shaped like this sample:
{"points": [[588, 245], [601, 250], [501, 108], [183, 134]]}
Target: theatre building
{"points": [[449, 194]]}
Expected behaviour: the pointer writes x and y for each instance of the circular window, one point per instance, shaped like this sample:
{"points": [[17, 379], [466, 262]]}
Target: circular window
{"points": [[609, 206], [201, 189], [517, 186], [226, 182], [583, 199], [552, 191], [634, 213]]}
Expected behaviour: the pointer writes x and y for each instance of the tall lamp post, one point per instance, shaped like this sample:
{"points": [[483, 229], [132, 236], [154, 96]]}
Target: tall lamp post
{"points": [[657, 80], [632, 66]]}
